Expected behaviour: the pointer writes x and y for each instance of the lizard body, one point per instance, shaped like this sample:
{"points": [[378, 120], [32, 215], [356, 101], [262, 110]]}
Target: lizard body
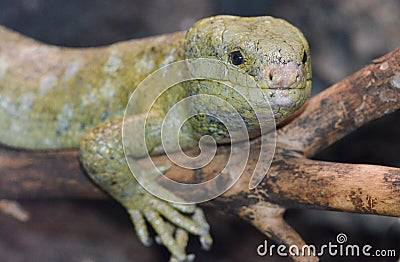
{"points": [[58, 104]]}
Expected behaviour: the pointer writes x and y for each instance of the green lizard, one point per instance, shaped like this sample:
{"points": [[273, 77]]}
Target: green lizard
{"points": [[53, 98]]}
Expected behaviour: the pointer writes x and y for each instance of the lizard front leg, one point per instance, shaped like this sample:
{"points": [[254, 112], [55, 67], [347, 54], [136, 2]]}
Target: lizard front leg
{"points": [[102, 156]]}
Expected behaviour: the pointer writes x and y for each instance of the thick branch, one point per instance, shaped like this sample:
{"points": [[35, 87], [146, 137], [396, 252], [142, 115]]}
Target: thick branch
{"points": [[368, 94], [292, 182], [299, 182], [346, 187], [29, 175]]}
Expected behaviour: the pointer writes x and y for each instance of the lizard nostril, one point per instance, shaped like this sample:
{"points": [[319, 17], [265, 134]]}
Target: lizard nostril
{"points": [[270, 76], [297, 76]]}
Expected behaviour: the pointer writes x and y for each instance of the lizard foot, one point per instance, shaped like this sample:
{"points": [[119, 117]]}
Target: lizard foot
{"points": [[172, 222]]}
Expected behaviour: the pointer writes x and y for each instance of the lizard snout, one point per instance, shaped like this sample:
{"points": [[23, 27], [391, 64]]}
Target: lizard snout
{"points": [[283, 76]]}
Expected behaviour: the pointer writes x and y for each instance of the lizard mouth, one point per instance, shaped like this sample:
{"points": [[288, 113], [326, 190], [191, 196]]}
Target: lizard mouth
{"points": [[280, 88], [300, 84], [285, 100]]}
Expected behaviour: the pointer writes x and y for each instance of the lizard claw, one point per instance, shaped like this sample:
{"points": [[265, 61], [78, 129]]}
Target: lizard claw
{"points": [[188, 258]]}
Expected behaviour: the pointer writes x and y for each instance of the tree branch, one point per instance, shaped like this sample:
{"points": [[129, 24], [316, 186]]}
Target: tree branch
{"points": [[33, 175]]}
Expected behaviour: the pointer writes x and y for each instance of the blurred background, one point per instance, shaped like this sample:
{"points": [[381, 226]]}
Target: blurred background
{"points": [[344, 36]]}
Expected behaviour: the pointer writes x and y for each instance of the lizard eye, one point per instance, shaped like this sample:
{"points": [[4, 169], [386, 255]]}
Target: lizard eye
{"points": [[237, 58], [304, 59]]}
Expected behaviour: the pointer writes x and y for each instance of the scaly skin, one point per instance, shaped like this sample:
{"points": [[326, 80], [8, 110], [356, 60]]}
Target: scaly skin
{"points": [[56, 104]]}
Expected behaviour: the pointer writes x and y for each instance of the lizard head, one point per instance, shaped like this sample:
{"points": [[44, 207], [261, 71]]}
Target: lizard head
{"points": [[272, 52]]}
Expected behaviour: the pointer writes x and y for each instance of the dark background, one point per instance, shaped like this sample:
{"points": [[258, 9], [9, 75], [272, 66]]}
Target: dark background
{"points": [[344, 36]]}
